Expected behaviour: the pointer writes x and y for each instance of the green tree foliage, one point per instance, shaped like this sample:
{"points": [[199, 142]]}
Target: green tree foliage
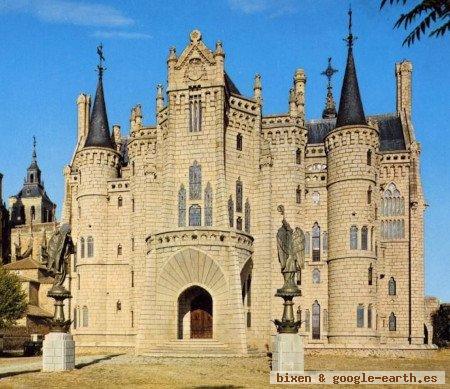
{"points": [[434, 15], [13, 300]]}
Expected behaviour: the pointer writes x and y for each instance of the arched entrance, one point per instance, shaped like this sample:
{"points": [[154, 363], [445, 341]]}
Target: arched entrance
{"points": [[195, 314]]}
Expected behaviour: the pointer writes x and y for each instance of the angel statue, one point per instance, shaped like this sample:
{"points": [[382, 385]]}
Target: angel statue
{"points": [[56, 253], [291, 251]]}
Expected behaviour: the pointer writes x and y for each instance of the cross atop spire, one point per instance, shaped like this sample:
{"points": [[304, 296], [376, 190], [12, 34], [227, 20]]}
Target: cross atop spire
{"points": [[329, 72], [100, 68], [350, 38], [330, 106], [34, 149]]}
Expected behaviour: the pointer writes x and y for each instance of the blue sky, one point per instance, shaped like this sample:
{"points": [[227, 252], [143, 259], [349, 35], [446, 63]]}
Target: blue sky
{"points": [[48, 56]]}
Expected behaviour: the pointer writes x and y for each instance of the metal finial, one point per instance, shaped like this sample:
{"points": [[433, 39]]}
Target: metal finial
{"points": [[350, 38], [101, 59], [329, 72], [34, 148]]}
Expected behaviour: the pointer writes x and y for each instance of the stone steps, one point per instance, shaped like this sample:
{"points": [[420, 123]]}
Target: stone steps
{"points": [[201, 348]]}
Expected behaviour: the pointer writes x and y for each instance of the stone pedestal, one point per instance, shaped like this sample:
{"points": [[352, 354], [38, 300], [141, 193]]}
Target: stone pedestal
{"points": [[58, 352], [288, 353]]}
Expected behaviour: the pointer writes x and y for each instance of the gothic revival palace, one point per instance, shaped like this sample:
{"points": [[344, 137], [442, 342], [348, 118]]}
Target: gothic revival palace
{"points": [[175, 224]]}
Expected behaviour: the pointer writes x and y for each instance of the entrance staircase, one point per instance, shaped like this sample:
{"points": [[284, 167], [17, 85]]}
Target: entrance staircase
{"points": [[200, 348]]}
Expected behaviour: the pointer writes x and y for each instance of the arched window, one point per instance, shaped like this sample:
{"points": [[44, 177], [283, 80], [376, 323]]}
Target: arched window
{"points": [[369, 157], [239, 142], [369, 195], [298, 156], [239, 195], [392, 322], [360, 316], [231, 211], [195, 215], [195, 181], [239, 223], [90, 246], [392, 203], [119, 201], [208, 205], [370, 275], [247, 216], [182, 207], [316, 242], [307, 243], [325, 320], [119, 249], [307, 321], [316, 320], [82, 248], [353, 238], [74, 318], [85, 316], [298, 195], [364, 238], [392, 287], [33, 212], [316, 276], [325, 241], [369, 316]]}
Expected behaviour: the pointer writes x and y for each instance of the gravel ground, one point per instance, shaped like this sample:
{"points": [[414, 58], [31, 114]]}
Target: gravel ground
{"points": [[151, 372]]}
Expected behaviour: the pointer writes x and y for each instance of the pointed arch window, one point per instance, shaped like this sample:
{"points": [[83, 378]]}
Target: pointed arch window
{"points": [[195, 215], [316, 320], [195, 181], [353, 238], [231, 211], [119, 249], [85, 316], [82, 247], [239, 142], [360, 316], [392, 322], [298, 195], [247, 216], [195, 114], [298, 156], [392, 203], [316, 242], [316, 276], [364, 238], [208, 205], [90, 246], [370, 275], [307, 243], [392, 286], [239, 195], [182, 207]]}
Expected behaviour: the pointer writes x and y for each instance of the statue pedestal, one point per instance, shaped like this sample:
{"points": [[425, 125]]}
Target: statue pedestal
{"points": [[288, 353], [58, 352]]}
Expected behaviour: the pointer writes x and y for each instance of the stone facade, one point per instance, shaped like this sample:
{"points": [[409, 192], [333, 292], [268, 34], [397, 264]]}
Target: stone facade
{"points": [[175, 224]]}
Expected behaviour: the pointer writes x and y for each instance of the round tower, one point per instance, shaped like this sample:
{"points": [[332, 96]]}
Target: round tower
{"points": [[351, 149]]}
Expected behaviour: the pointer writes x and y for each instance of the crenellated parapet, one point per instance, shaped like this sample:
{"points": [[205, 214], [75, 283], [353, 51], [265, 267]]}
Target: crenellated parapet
{"points": [[284, 129], [96, 156], [352, 135]]}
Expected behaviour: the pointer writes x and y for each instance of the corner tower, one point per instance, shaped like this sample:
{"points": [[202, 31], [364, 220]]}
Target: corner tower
{"points": [[351, 150]]}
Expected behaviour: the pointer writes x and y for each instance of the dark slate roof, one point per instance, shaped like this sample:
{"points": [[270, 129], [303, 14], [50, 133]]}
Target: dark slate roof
{"points": [[390, 126], [351, 110], [99, 135], [229, 84], [33, 190]]}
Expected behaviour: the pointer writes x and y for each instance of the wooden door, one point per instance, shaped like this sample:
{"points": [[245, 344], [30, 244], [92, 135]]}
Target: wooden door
{"points": [[201, 317]]}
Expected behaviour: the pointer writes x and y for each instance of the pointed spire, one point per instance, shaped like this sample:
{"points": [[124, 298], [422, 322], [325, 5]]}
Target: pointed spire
{"points": [[98, 135], [159, 98], [330, 106], [34, 173], [33, 155], [351, 110]]}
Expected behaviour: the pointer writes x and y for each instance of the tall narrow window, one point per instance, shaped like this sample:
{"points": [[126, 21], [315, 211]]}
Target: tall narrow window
{"points": [[371, 238], [90, 246], [195, 215], [195, 114], [364, 237], [316, 276], [82, 248], [182, 207], [231, 211], [132, 278], [195, 181], [132, 204], [208, 205], [392, 287], [75, 254], [239, 142], [325, 241], [307, 243], [239, 195], [369, 157], [78, 281], [316, 320], [298, 156], [353, 238], [392, 322], [316, 242], [132, 243], [298, 195], [85, 316], [369, 195], [239, 223], [132, 319], [119, 201], [370, 275], [33, 212], [119, 249], [360, 316], [74, 318], [247, 216], [392, 203], [369, 316], [133, 168], [307, 321]]}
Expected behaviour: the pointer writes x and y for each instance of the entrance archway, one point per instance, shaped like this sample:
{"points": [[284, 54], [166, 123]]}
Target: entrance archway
{"points": [[195, 314]]}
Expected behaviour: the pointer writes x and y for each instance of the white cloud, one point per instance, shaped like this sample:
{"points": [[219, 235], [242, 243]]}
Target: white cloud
{"points": [[273, 8], [120, 34], [68, 12]]}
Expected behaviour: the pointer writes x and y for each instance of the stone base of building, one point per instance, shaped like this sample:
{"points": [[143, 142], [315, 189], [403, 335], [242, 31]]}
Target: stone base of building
{"points": [[58, 352], [288, 353], [408, 351]]}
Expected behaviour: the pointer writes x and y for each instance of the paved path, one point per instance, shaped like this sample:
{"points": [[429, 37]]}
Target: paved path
{"points": [[29, 367]]}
